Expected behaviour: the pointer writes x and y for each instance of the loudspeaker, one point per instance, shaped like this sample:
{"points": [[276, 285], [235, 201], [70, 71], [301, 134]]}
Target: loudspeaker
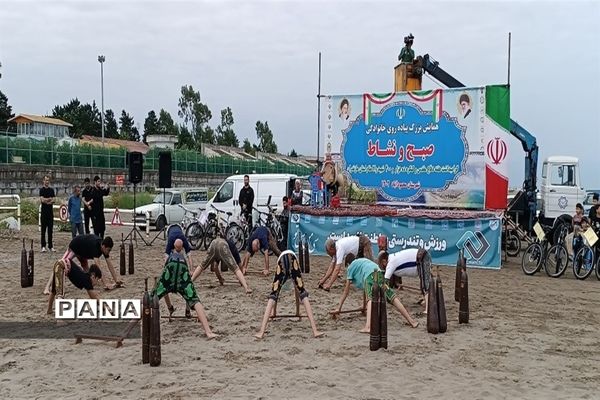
{"points": [[164, 169], [136, 167]]}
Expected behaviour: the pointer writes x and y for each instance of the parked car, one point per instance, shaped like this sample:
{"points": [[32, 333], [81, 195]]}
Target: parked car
{"points": [[165, 210]]}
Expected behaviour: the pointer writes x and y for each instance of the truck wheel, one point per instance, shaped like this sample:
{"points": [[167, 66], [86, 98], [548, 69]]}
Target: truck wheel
{"points": [[161, 222]]}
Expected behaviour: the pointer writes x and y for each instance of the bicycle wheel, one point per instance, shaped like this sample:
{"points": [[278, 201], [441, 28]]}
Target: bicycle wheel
{"points": [[583, 263], [210, 234], [532, 259], [598, 268], [235, 233], [557, 261], [195, 235], [513, 244]]}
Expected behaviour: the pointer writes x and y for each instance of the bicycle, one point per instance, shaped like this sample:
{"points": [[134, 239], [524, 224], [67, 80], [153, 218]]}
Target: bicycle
{"points": [[534, 255], [194, 227], [584, 259], [511, 242], [557, 258], [217, 226], [270, 221], [238, 232]]}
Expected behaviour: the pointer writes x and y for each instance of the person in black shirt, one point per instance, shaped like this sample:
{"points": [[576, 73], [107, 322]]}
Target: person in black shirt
{"points": [[98, 206], [260, 239], [47, 217], [86, 196], [78, 277], [90, 247], [246, 200], [595, 198]]}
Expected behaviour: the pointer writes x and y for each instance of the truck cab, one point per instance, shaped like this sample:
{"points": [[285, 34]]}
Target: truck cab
{"points": [[561, 188]]}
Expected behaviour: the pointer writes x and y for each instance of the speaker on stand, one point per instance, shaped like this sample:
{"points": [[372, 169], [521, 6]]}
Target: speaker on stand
{"points": [[164, 181], [136, 174]]}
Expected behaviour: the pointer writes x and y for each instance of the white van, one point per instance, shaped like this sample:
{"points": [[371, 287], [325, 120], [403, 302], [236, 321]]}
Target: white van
{"points": [[264, 185]]}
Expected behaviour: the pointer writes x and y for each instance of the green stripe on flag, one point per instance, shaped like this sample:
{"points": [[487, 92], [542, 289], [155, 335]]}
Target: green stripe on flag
{"points": [[381, 95], [497, 104]]}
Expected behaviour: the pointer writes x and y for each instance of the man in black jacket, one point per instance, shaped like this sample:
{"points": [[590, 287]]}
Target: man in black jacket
{"points": [[86, 196], [246, 200], [47, 196], [98, 206]]}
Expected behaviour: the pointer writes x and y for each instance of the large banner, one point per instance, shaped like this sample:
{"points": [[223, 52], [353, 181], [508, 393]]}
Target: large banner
{"points": [[480, 238], [437, 148]]}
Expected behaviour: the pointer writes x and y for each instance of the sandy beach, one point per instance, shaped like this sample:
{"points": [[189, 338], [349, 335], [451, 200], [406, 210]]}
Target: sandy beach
{"points": [[528, 338]]}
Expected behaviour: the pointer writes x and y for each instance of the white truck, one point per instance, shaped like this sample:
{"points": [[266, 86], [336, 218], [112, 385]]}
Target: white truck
{"points": [[561, 189], [274, 186]]}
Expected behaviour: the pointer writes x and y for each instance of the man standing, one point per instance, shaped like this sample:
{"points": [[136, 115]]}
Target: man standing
{"points": [[87, 195], [246, 200], [47, 217], [74, 210], [98, 206], [595, 205]]}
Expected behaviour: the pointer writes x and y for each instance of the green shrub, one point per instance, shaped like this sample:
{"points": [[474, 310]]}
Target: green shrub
{"points": [[124, 201], [29, 212]]}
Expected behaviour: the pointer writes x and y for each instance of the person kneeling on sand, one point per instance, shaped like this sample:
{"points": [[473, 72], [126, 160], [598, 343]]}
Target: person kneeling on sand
{"points": [[78, 277], [287, 266], [363, 273], [224, 252], [176, 278]]}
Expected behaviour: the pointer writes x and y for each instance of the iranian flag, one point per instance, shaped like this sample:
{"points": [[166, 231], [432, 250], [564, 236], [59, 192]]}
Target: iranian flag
{"points": [[435, 97], [496, 126], [380, 99]]}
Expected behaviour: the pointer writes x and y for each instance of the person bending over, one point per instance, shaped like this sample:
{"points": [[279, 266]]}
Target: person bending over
{"points": [[359, 246], [78, 277], [224, 252], [287, 267], [261, 239], [176, 278], [363, 273]]}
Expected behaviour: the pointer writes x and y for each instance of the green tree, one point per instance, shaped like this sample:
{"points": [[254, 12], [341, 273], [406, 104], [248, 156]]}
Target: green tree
{"points": [[185, 139], [128, 130], [248, 148], [111, 129], [5, 111], [151, 126], [166, 126], [196, 116], [225, 134], [293, 153], [266, 143], [85, 118]]}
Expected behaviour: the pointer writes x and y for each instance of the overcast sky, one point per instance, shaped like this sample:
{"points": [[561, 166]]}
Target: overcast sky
{"points": [[261, 59]]}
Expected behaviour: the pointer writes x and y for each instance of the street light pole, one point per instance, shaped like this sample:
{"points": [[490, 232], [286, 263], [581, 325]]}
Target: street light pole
{"points": [[101, 60]]}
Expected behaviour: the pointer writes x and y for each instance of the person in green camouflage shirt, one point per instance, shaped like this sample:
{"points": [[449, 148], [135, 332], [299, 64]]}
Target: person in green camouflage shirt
{"points": [[176, 278]]}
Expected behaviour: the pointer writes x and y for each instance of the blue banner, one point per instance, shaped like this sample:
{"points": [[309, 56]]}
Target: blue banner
{"points": [[480, 238]]}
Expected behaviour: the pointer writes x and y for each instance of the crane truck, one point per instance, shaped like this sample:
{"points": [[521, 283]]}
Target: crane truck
{"points": [[561, 186]]}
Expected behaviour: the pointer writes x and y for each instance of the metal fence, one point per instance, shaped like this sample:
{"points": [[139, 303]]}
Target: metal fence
{"points": [[49, 152]]}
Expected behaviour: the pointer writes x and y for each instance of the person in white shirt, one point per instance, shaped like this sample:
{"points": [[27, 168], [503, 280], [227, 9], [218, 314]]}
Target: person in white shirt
{"points": [[410, 263], [359, 246]]}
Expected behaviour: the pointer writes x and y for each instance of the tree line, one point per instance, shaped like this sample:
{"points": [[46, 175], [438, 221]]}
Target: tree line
{"points": [[193, 130]]}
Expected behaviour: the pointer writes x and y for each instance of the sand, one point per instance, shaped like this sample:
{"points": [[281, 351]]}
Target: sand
{"points": [[528, 338]]}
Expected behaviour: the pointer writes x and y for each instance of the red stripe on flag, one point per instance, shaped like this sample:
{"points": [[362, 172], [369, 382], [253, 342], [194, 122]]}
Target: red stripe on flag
{"points": [[496, 190]]}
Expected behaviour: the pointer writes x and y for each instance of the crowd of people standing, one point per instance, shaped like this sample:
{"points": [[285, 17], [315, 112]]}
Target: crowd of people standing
{"points": [[90, 199]]}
